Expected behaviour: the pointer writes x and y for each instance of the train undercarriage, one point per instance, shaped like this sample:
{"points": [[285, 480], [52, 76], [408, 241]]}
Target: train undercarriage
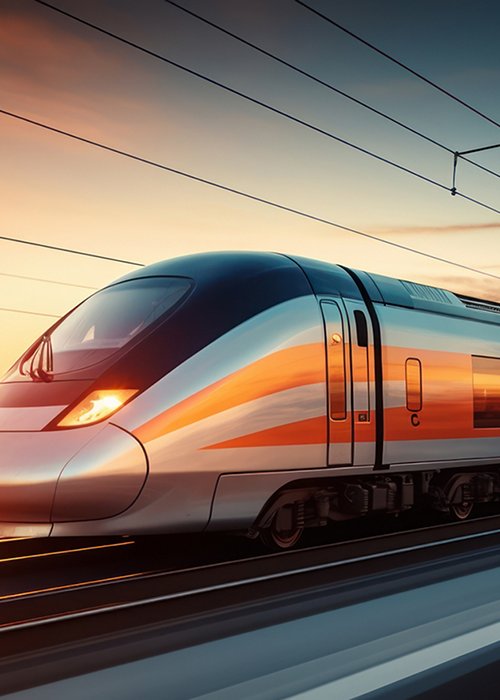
{"points": [[454, 493]]}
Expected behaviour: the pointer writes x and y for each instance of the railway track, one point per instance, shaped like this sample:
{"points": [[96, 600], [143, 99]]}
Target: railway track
{"points": [[142, 586], [133, 615], [43, 568]]}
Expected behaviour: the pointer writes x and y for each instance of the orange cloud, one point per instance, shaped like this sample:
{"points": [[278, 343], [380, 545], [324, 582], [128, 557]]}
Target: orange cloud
{"points": [[444, 229]]}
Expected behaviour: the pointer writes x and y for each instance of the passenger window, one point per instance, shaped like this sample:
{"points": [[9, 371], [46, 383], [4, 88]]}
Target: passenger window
{"points": [[413, 371], [486, 385]]}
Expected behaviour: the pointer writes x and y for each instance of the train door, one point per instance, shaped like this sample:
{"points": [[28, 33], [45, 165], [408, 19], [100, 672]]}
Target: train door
{"points": [[363, 383], [338, 383]]}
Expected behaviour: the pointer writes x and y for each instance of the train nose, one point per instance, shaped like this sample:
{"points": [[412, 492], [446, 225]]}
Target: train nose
{"points": [[103, 479], [85, 473]]}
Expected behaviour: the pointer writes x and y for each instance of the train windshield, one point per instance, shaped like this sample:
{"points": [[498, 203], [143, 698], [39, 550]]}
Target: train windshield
{"points": [[104, 323]]}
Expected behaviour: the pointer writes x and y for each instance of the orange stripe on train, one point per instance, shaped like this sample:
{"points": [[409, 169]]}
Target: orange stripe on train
{"points": [[311, 431], [285, 369], [445, 367], [397, 428], [444, 373], [437, 421]]}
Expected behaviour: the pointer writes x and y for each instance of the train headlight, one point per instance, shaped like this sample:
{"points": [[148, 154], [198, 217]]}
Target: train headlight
{"points": [[96, 406]]}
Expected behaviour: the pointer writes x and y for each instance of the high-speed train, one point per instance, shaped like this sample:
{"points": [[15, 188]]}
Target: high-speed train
{"points": [[256, 393]]}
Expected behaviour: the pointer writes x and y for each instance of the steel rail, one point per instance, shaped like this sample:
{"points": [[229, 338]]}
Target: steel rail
{"points": [[227, 585], [58, 552], [157, 573], [82, 585]]}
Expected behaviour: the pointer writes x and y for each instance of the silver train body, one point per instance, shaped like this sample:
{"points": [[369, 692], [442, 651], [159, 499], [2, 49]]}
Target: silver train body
{"points": [[261, 391]]}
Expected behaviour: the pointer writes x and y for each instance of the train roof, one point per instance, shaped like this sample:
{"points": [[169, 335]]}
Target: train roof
{"points": [[413, 295], [243, 266], [324, 278], [202, 265]]}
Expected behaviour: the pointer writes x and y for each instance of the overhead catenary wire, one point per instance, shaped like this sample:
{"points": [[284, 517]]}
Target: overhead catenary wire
{"points": [[62, 249], [44, 279], [470, 199], [326, 84], [30, 313], [462, 156], [397, 62], [481, 167], [224, 188], [238, 93], [253, 100]]}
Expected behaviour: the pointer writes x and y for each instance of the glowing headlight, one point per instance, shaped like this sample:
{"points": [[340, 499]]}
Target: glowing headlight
{"points": [[96, 406]]}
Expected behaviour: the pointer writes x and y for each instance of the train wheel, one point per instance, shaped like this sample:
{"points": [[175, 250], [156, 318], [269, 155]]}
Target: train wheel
{"points": [[461, 511], [273, 537]]}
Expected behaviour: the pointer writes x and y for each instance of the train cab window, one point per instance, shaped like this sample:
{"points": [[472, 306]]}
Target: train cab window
{"points": [[109, 319], [413, 374], [486, 388]]}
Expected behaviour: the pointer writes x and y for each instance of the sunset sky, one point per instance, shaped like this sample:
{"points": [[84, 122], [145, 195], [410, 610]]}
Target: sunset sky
{"points": [[65, 193]]}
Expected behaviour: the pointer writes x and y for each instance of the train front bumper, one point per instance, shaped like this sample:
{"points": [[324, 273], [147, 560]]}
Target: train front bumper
{"points": [[67, 475]]}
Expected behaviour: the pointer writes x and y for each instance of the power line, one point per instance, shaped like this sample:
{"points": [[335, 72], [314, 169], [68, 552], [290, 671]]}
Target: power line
{"points": [[232, 190], [305, 73], [253, 100], [396, 61], [474, 201], [481, 167], [56, 247], [43, 279], [461, 155], [326, 84], [118, 151], [243, 95], [30, 313]]}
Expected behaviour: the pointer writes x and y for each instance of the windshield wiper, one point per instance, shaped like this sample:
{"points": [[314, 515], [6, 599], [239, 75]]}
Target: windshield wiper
{"points": [[41, 367]]}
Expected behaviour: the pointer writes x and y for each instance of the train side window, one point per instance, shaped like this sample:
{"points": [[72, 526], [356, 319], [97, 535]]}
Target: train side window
{"points": [[337, 378], [336, 360], [413, 374], [486, 388], [361, 329]]}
